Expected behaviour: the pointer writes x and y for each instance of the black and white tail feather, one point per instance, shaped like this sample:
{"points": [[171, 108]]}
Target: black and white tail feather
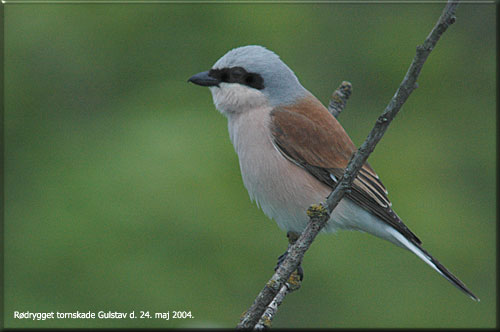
{"points": [[417, 249]]}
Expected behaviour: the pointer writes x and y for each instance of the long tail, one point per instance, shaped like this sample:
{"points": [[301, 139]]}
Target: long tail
{"points": [[434, 263]]}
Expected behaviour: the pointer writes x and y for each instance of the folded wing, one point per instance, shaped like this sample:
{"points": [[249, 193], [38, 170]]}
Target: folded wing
{"points": [[309, 136]]}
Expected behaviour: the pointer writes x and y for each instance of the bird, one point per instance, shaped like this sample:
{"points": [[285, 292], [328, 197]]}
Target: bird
{"points": [[292, 152]]}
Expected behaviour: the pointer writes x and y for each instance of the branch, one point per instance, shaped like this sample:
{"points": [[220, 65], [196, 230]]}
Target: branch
{"points": [[291, 285], [320, 213], [339, 98]]}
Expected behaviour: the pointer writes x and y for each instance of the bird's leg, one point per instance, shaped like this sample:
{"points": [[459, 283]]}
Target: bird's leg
{"points": [[292, 238]]}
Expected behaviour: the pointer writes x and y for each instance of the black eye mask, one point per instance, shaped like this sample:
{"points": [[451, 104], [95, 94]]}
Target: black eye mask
{"points": [[238, 75]]}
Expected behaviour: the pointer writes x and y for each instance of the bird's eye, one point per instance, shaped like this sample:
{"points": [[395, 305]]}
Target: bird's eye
{"points": [[237, 73]]}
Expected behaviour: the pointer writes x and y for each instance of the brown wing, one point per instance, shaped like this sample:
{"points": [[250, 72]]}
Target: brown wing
{"points": [[309, 136]]}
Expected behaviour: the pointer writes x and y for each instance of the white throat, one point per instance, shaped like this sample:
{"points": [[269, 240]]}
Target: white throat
{"points": [[231, 98]]}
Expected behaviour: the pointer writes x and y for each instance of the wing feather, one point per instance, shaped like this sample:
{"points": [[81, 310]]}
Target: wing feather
{"points": [[309, 136]]}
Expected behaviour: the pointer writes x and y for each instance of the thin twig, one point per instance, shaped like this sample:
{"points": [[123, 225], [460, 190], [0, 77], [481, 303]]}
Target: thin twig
{"points": [[339, 98], [320, 213], [291, 285]]}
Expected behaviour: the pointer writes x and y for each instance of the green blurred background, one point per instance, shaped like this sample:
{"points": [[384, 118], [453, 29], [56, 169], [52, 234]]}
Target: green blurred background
{"points": [[123, 191]]}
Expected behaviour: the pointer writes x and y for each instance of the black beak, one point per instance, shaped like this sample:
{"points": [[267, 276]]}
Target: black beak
{"points": [[204, 79]]}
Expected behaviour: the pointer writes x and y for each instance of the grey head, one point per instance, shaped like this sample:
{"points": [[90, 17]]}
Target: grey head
{"points": [[251, 71]]}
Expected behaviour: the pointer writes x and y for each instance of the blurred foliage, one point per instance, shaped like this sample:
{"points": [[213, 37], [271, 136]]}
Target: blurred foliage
{"points": [[123, 192]]}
